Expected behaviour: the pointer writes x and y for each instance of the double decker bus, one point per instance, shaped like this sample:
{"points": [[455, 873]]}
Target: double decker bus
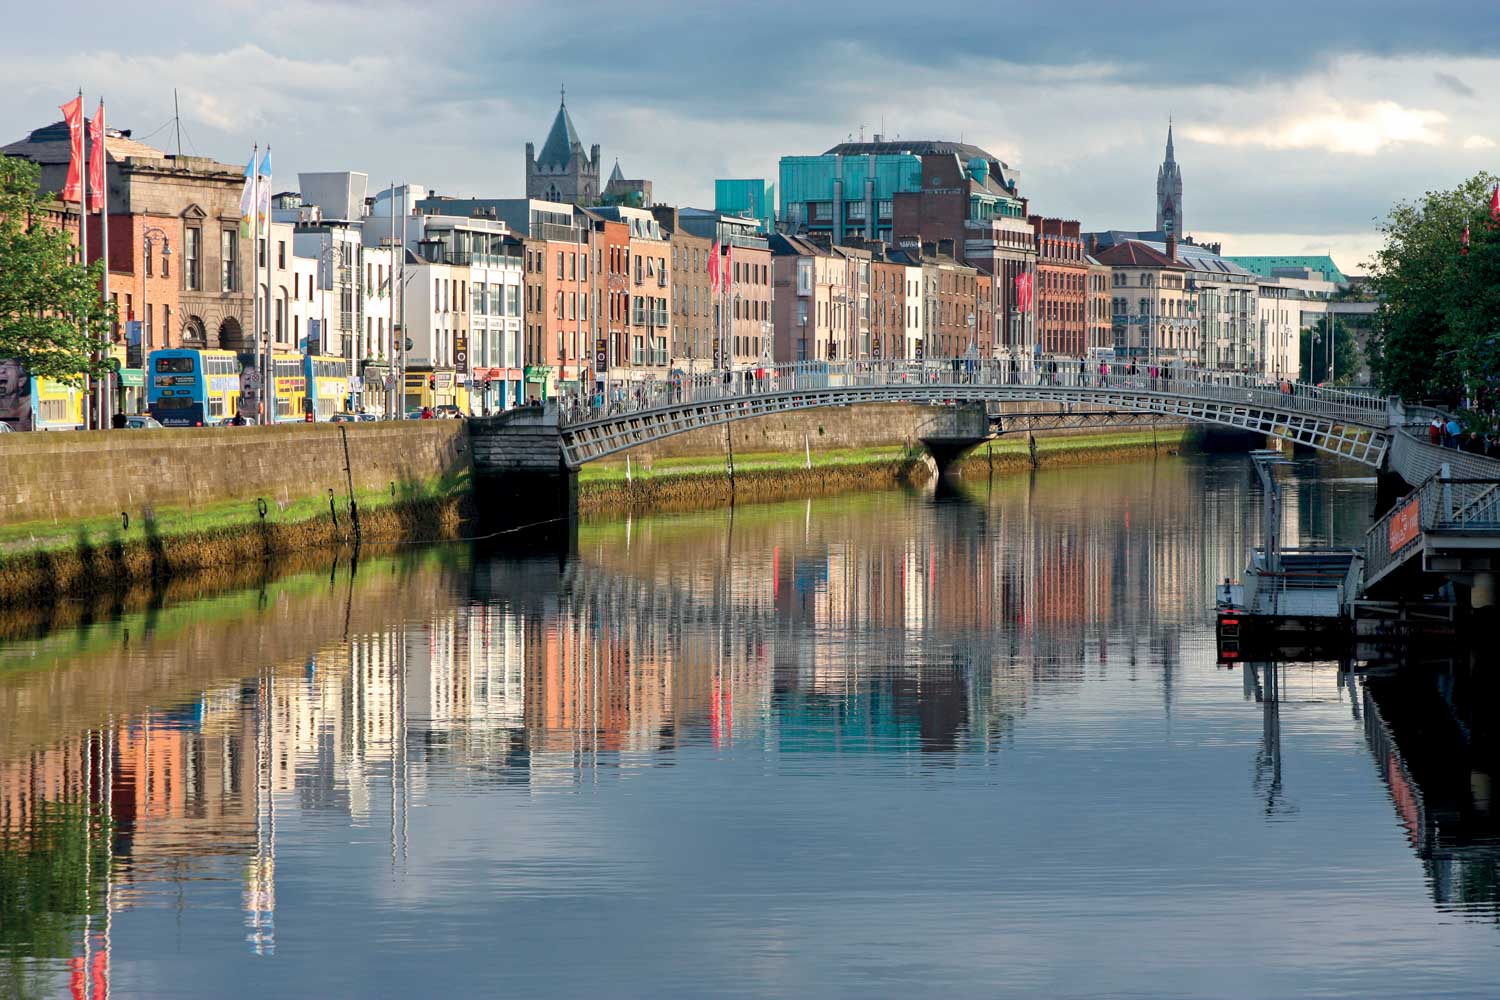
{"points": [[290, 379], [186, 387], [327, 385], [40, 404]]}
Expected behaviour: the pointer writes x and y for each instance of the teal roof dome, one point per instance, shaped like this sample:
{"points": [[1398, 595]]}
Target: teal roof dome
{"points": [[979, 169]]}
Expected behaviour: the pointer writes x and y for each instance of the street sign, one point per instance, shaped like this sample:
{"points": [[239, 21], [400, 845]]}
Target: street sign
{"points": [[250, 379], [601, 354]]}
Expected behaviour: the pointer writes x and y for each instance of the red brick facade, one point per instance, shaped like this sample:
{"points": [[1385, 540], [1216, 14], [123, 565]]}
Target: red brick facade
{"points": [[1061, 287]]}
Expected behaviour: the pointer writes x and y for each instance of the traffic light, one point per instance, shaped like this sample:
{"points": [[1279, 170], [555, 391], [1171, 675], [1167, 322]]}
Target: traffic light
{"points": [[431, 380]]}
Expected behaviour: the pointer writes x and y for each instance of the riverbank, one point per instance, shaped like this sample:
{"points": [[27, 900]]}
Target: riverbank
{"points": [[688, 482], [43, 563]]}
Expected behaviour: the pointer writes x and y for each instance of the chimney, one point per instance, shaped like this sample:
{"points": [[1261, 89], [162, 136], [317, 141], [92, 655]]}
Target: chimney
{"points": [[1093, 244], [945, 247], [1172, 246], [929, 249]]}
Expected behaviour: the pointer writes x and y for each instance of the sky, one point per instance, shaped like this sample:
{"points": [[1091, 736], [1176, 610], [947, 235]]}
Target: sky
{"points": [[1297, 126]]}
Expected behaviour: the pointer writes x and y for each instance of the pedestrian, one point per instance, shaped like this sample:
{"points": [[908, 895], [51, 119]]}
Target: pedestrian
{"points": [[1435, 431], [427, 413], [1450, 433]]}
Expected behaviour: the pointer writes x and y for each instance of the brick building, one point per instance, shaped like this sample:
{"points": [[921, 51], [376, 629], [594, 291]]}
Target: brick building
{"points": [[1061, 287], [1099, 322]]}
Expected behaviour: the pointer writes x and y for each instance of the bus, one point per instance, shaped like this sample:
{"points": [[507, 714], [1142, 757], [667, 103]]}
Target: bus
{"points": [[327, 385], [40, 404], [192, 388], [290, 380]]}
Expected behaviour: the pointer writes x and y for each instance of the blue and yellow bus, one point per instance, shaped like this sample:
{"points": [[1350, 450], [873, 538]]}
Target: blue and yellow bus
{"points": [[290, 379], [40, 404], [327, 384], [192, 388]]}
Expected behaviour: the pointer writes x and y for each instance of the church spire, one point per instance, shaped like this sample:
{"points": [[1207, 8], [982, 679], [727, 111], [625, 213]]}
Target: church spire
{"points": [[1169, 140]]}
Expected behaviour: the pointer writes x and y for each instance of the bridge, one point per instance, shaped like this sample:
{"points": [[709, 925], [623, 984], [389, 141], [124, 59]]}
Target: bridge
{"points": [[533, 454]]}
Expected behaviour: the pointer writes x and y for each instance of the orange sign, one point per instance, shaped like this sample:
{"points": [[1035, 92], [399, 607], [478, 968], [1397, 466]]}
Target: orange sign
{"points": [[1405, 525]]}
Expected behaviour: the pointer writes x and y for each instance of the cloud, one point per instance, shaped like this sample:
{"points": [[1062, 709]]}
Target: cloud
{"points": [[1479, 142], [1453, 84], [1362, 130]]}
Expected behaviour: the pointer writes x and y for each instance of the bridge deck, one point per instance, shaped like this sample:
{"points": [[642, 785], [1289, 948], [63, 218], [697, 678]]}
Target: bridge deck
{"points": [[1352, 425]]}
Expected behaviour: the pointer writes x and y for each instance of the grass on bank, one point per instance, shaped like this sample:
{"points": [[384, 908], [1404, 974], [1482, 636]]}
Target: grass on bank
{"points": [[167, 522]]}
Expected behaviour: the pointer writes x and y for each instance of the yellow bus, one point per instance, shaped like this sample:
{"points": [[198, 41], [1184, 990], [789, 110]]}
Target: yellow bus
{"points": [[328, 385], [289, 376]]}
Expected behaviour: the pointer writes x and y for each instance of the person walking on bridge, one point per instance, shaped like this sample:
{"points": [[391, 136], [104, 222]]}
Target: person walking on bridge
{"points": [[1435, 431]]}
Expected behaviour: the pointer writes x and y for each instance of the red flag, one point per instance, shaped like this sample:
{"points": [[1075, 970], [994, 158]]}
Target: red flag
{"points": [[1023, 291], [96, 160], [713, 267], [1465, 247], [73, 115]]}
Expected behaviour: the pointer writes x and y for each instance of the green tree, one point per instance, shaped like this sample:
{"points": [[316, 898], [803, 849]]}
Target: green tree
{"points": [[1440, 306], [1346, 353], [51, 316]]}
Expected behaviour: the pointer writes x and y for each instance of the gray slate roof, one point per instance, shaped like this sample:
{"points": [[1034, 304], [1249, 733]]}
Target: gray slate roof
{"points": [[558, 149]]}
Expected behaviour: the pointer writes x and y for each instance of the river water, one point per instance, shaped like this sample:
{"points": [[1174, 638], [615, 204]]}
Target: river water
{"points": [[876, 745]]}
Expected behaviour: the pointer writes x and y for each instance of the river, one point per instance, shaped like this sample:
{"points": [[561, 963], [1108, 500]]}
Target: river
{"points": [[886, 744]]}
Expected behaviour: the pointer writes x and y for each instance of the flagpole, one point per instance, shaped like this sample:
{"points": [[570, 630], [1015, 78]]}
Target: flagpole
{"points": [[260, 358], [106, 384], [264, 318], [91, 385]]}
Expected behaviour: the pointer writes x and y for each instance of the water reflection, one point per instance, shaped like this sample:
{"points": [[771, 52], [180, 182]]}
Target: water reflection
{"points": [[307, 752]]}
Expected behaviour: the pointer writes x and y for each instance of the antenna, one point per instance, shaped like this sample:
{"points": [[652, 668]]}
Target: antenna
{"points": [[177, 117]]}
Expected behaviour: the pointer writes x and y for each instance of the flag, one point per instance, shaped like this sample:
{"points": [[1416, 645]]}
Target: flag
{"points": [[96, 160], [264, 208], [1023, 291], [1465, 247], [724, 271], [247, 198], [73, 115], [713, 267]]}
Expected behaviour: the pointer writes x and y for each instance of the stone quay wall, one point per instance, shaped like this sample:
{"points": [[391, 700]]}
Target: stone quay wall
{"points": [[78, 474]]}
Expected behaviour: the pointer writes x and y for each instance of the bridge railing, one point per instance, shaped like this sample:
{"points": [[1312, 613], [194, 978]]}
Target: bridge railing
{"points": [[1441, 504], [620, 396]]}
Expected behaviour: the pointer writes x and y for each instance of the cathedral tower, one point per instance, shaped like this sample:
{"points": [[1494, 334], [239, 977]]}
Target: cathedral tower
{"points": [[563, 172], [1169, 193]]}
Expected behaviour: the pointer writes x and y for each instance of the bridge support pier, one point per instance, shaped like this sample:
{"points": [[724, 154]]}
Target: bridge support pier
{"points": [[522, 488], [1482, 591], [945, 452]]}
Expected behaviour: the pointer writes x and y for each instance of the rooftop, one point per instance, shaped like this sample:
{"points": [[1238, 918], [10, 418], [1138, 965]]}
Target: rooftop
{"points": [[1266, 265]]}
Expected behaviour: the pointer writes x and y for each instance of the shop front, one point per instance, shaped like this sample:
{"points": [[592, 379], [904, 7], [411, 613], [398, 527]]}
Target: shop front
{"points": [[535, 382]]}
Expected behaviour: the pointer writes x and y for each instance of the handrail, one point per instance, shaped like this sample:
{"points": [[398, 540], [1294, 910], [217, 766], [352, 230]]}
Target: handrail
{"points": [[678, 388], [1444, 503]]}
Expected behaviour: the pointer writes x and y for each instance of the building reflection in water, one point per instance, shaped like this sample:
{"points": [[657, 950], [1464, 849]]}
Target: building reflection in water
{"points": [[152, 749]]}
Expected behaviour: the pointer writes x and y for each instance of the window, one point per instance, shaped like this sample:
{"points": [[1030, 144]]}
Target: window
{"points": [[229, 264], [193, 252], [559, 264], [281, 254]]}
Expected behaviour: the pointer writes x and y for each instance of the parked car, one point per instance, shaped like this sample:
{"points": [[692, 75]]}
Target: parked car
{"points": [[141, 422], [6, 428], [244, 422], [448, 411], [343, 418]]}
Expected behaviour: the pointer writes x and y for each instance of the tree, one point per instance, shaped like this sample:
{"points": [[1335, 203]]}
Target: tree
{"points": [[1440, 306], [1346, 353], [51, 316]]}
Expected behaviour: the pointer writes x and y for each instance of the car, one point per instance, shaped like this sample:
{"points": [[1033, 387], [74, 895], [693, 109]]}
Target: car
{"points": [[448, 411], [141, 422], [229, 422], [6, 428], [343, 418]]}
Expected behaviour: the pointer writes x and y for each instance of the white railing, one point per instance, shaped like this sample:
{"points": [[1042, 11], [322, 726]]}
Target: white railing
{"points": [[622, 396]]}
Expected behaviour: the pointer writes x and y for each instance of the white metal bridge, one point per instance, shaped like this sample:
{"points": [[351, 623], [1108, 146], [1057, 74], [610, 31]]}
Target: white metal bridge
{"points": [[1352, 425]]}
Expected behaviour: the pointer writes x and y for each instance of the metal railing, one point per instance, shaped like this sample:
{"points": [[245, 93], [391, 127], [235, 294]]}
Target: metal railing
{"points": [[934, 375], [1444, 505]]}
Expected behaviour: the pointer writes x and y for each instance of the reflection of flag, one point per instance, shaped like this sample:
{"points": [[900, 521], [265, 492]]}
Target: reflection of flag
{"points": [[96, 160], [247, 198], [73, 115]]}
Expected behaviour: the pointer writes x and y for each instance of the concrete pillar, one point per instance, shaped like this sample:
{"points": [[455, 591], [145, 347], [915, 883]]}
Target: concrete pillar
{"points": [[1482, 591], [523, 491]]}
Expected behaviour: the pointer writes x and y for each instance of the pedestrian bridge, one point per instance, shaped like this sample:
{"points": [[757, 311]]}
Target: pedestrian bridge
{"points": [[628, 414]]}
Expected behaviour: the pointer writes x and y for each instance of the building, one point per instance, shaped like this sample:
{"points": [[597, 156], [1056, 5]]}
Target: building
{"points": [[193, 198], [1154, 313], [1169, 193], [329, 229], [692, 298], [954, 301], [622, 190], [647, 348], [752, 198], [805, 274], [973, 206], [1061, 287], [1099, 322], [746, 332], [611, 295], [1320, 266], [562, 172]]}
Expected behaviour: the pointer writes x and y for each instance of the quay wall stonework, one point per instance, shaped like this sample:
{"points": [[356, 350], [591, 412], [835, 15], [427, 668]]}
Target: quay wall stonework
{"points": [[78, 474]]}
